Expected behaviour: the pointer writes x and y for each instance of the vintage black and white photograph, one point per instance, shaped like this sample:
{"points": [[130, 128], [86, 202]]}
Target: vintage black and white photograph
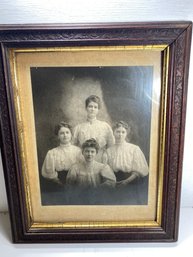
{"points": [[93, 134]]}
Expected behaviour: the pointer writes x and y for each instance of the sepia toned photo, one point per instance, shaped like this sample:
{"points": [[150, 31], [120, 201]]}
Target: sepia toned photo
{"points": [[93, 134]]}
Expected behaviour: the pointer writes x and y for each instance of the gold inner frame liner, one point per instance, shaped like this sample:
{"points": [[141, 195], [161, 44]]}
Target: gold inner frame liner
{"points": [[146, 216]]}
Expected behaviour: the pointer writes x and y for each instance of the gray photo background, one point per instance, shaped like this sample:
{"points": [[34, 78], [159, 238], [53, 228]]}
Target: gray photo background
{"points": [[59, 93]]}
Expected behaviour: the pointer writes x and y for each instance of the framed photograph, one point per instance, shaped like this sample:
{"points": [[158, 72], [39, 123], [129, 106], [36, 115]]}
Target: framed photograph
{"points": [[92, 129]]}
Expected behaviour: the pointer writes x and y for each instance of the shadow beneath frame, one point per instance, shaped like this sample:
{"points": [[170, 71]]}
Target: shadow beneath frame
{"points": [[185, 236], [5, 226]]}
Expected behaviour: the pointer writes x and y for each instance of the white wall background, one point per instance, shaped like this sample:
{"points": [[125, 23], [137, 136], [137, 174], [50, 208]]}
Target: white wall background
{"points": [[74, 11]]}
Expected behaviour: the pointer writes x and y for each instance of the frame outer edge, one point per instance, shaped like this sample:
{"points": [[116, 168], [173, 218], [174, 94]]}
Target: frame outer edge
{"points": [[102, 25], [18, 231], [3, 112], [177, 110], [10, 153], [188, 35]]}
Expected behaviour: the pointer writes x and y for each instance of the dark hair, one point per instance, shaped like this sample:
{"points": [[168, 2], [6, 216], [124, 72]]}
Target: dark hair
{"points": [[62, 124], [121, 124], [93, 98], [91, 143]]}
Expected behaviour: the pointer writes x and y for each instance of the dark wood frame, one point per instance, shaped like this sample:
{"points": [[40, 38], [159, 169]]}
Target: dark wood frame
{"points": [[177, 35]]}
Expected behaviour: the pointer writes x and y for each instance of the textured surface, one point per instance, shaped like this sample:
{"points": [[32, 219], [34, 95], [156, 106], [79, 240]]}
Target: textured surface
{"points": [[68, 11]]}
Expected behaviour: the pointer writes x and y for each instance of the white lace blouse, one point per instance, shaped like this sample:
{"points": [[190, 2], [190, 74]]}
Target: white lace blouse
{"points": [[94, 175], [59, 159], [126, 157]]}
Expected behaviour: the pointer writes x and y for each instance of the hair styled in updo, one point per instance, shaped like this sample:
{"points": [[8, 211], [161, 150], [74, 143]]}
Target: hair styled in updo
{"points": [[93, 98], [121, 124], [91, 143], [60, 125]]}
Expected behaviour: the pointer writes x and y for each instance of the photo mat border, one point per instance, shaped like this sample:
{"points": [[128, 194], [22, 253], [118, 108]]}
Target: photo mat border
{"points": [[22, 143]]}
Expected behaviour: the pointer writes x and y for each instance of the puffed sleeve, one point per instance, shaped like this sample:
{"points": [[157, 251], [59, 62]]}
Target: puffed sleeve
{"points": [[110, 137], [108, 176], [48, 168], [75, 140], [71, 178], [139, 163], [105, 158]]}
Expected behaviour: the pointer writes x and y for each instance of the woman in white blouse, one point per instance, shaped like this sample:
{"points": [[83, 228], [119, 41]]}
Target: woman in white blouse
{"points": [[127, 160], [93, 128], [59, 160], [90, 173]]}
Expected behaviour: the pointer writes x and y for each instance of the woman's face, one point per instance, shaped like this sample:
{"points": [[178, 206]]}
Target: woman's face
{"points": [[120, 134], [92, 110], [64, 135], [89, 154]]}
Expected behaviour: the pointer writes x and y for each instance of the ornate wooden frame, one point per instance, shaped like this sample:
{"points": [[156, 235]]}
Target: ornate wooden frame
{"points": [[177, 37]]}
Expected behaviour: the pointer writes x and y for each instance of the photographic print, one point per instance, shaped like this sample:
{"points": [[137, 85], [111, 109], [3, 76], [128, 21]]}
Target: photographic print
{"points": [[112, 106]]}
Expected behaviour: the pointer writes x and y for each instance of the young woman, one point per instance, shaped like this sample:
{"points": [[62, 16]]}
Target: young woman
{"points": [[93, 128], [59, 160], [127, 160], [90, 173]]}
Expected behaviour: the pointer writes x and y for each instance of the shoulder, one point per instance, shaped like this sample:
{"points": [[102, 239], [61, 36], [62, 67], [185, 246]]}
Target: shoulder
{"points": [[132, 146], [100, 166], [103, 123], [53, 150], [134, 149], [52, 153], [80, 125], [75, 148]]}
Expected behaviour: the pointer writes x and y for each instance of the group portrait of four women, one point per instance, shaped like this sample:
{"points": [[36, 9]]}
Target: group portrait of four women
{"points": [[93, 154]]}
